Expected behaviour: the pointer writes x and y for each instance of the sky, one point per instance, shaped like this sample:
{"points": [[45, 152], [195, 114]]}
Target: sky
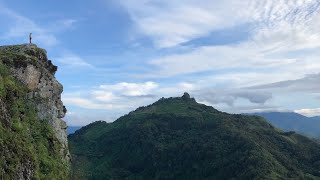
{"points": [[116, 55]]}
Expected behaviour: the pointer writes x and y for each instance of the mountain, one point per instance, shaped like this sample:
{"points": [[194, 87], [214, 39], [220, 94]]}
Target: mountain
{"points": [[33, 140], [178, 138], [290, 121], [72, 129], [315, 118]]}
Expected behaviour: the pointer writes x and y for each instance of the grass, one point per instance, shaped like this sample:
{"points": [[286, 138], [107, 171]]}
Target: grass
{"points": [[27, 143]]}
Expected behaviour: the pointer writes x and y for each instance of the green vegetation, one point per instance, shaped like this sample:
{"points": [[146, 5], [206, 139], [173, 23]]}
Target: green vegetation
{"points": [[13, 58], [177, 138], [27, 145]]}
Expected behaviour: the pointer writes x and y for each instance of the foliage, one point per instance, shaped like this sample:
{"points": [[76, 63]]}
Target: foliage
{"points": [[177, 138], [27, 144]]}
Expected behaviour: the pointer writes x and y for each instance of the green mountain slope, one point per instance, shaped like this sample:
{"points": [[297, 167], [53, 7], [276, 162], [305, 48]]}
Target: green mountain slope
{"points": [[29, 148], [177, 138]]}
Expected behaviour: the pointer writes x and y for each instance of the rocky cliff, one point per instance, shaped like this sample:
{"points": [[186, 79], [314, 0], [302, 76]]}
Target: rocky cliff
{"points": [[30, 101]]}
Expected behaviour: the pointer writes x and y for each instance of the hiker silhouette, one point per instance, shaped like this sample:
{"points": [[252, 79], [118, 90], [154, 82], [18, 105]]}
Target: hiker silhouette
{"points": [[30, 38]]}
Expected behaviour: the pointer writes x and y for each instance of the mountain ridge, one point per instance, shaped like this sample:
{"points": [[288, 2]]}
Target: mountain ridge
{"points": [[177, 138], [291, 121]]}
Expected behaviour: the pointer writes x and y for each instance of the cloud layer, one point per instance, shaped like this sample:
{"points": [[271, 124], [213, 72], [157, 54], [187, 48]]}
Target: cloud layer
{"points": [[282, 45], [309, 112], [239, 56], [170, 23]]}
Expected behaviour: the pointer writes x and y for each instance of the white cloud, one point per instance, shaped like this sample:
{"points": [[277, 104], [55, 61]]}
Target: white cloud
{"points": [[279, 29], [86, 103], [309, 84], [173, 22], [309, 112], [186, 86], [170, 23], [230, 96], [284, 45], [115, 100], [104, 96], [118, 97], [121, 98], [177, 89], [212, 58], [131, 89], [73, 60], [112, 101], [128, 96]]}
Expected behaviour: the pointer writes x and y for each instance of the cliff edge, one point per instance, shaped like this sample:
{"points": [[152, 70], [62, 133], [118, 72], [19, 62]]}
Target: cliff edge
{"points": [[31, 109]]}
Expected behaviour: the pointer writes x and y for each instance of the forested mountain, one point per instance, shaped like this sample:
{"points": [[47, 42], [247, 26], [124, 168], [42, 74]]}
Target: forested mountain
{"points": [[177, 138]]}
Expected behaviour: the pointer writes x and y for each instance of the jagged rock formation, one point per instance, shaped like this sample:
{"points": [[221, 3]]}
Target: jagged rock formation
{"points": [[33, 73]]}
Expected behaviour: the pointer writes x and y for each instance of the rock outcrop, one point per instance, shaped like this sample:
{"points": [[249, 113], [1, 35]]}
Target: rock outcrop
{"points": [[37, 73], [30, 66]]}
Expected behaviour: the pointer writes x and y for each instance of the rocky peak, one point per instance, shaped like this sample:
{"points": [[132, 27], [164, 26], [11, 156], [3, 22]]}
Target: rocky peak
{"points": [[186, 95], [29, 53], [31, 66]]}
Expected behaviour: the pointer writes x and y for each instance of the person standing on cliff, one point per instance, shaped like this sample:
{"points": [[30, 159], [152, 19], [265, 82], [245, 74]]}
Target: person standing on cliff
{"points": [[30, 38]]}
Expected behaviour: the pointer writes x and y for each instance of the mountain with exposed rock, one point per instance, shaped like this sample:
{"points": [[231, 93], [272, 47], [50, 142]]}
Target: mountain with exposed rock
{"points": [[33, 139]]}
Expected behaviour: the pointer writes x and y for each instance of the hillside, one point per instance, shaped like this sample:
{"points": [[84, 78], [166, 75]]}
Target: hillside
{"points": [[290, 121], [33, 143], [177, 138]]}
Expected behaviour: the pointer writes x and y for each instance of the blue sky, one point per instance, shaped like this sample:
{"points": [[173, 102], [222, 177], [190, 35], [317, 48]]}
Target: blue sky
{"points": [[114, 56]]}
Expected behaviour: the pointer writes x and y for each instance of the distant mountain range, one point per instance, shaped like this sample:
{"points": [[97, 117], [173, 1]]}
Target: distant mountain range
{"points": [[290, 121], [72, 129], [178, 138]]}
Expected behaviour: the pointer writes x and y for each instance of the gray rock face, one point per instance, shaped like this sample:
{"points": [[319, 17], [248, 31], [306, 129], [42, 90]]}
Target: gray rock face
{"points": [[37, 73]]}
